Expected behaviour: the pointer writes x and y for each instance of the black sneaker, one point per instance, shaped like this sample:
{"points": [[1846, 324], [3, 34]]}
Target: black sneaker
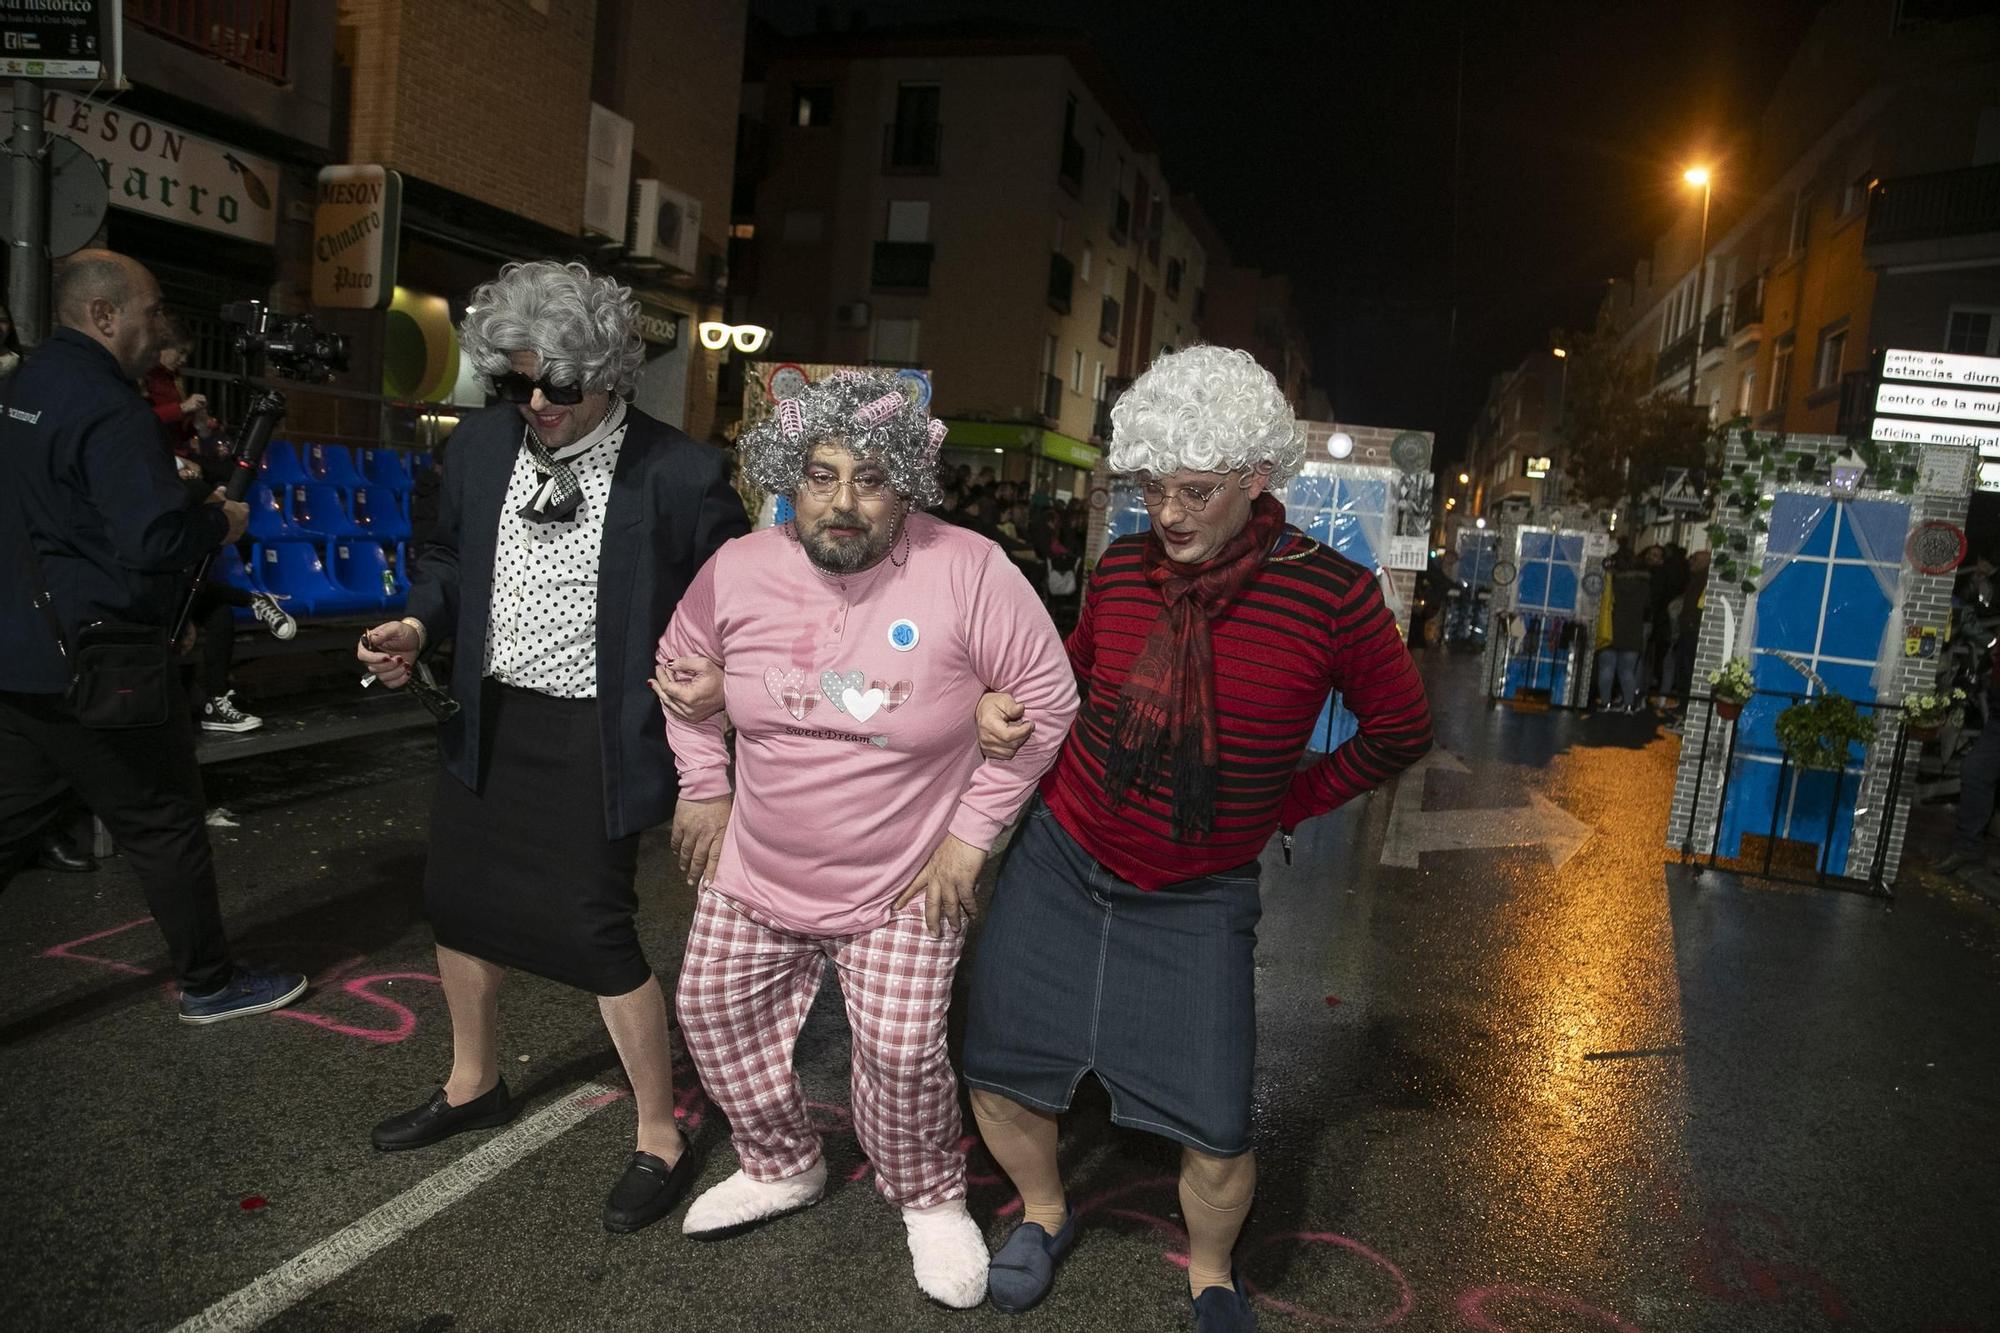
{"points": [[248, 991], [222, 714], [272, 616]]}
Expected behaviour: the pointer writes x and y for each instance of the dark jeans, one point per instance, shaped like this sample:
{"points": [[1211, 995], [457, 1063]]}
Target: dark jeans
{"points": [[146, 786], [211, 612], [1978, 775]]}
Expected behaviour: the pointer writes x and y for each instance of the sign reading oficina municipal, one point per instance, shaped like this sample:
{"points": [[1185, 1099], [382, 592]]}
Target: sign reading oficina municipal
{"points": [[153, 167], [53, 39], [356, 230]]}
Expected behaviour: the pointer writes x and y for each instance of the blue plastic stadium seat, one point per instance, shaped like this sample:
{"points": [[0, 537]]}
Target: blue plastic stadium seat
{"points": [[295, 571], [317, 511], [421, 462], [377, 511], [332, 464], [362, 569], [268, 520], [281, 466], [387, 467]]}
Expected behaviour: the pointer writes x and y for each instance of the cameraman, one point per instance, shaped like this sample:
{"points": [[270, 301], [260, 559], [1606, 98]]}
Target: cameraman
{"points": [[92, 513]]}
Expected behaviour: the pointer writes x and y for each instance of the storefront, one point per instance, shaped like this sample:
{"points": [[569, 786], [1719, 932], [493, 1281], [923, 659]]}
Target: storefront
{"points": [[1045, 462]]}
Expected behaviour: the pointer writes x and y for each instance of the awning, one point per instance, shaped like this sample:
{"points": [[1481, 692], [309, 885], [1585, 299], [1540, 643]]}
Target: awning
{"points": [[1015, 437]]}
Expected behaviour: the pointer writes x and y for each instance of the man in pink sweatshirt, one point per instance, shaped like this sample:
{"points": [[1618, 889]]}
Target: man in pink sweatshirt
{"points": [[856, 640]]}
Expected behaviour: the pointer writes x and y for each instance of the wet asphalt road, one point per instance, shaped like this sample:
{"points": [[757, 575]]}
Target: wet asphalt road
{"points": [[1494, 1092]]}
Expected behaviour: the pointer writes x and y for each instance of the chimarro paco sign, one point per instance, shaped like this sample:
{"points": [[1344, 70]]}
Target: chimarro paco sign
{"points": [[356, 235], [153, 167]]}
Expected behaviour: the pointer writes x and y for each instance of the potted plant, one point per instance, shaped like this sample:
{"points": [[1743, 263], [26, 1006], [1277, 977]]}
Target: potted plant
{"points": [[1926, 713], [1731, 687], [1817, 732]]}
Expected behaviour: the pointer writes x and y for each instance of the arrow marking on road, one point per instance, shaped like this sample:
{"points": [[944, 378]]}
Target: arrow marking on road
{"points": [[1414, 830]]}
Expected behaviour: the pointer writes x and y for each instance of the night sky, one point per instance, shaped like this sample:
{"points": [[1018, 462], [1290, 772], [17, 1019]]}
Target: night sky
{"points": [[1319, 137]]}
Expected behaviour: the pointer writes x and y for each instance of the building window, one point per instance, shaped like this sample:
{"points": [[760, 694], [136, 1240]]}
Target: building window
{"points": [[1174, 271], [1083, 269], [1826, 364], [909, 220], [893, 342], [1854, 195], [812, 105], [1746, 392], [1973, 332], [902, 266], [1107, 322], [1801, 221], [911, 141], [1781, 374], [1062, 281], [1070, 171], [1076, 371]]}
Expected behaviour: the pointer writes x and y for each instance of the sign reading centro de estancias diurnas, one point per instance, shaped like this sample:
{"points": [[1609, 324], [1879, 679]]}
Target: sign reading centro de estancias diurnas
{"points": [[154, 167], [53, 39], [1941, 398], [356, 230]]}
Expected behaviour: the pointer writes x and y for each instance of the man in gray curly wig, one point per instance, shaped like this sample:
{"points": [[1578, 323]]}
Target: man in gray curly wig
{"points": [[569, 527], [855, 641]]}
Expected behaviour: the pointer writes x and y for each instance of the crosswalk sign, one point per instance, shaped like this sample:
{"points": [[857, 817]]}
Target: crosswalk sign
{"points": [[1681, 492]]}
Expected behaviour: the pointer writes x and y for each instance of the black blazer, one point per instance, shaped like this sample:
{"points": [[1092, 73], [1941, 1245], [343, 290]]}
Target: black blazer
{"points": [[671, 507]]}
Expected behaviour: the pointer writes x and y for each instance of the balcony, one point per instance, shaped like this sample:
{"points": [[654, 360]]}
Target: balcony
{"points": [[1107, 323], [1052, 392], [1070, 173], [1747, 311], [1940, 217], [1062, 281], [1715, 329], [911, 148], [1673, 361], [1857, 405], [248, 34], [903, 266], [1100, 421]]}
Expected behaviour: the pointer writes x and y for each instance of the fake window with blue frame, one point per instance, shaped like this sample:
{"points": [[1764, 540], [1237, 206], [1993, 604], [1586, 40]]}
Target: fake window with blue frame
{"points": [[1548, 581]]}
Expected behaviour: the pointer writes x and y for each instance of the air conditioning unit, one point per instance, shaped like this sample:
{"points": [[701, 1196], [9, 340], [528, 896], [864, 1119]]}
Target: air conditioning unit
{"points": [[664, 225], [608, 176], [852, 316]]}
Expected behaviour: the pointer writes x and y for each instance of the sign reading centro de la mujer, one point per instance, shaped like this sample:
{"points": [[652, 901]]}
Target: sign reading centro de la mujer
{"points": [[153, 167], [355, 237]]}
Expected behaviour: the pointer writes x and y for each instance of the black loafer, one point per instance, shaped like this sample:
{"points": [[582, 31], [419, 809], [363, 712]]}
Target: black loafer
{"points": [[60, 854], [438, 1119], [649, 1189]]}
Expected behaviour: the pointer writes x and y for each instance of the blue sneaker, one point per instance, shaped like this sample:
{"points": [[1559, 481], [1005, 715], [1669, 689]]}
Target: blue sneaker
{"points": [[1025, 1267], [248, 991], [1225, 1309]]}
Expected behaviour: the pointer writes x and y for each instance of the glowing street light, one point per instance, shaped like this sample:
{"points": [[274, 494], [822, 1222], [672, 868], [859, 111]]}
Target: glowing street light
{"points": [[1465, 478], [1559, 352], [1696, 176], [1699, 176]]}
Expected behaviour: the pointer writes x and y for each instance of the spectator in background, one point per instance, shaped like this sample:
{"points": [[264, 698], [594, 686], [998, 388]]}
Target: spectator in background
{"points": [[1622, 618], [183, 415], [102, 530], [1687, 631], [10, 344]]}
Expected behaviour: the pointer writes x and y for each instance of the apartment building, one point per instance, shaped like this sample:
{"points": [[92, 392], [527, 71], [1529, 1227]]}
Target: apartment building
{"points": [[1865, 213], [1514, 445], [987, 206]]}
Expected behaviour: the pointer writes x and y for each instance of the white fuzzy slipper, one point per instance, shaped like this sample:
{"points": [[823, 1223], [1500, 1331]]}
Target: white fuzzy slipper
{"points": [[948, 1253], [740, 1203]]}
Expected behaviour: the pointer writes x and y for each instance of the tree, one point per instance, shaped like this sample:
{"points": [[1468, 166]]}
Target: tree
{"points": [[1620, 436]]}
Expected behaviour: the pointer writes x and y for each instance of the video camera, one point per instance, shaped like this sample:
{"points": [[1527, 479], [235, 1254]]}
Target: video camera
{"points": [[292, 345]]}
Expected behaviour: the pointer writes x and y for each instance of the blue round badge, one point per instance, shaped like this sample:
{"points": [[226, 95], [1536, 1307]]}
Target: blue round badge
{"points": [[903, 635]]}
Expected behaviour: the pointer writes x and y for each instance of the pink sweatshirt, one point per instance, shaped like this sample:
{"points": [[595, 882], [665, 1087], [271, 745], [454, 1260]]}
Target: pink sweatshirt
{"points": [[853, 701]]}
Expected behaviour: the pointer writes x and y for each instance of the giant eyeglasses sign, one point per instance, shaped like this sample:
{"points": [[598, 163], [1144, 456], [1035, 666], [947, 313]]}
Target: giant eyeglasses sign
{"points": [[746, 338]]}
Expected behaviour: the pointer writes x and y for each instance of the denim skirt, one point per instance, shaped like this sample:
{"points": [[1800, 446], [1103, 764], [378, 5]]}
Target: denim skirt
{"points": [[1078, 971]]}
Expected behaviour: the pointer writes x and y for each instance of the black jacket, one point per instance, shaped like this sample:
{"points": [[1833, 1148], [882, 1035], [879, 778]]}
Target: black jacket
{"points": [[671, 507], [115, 531]]}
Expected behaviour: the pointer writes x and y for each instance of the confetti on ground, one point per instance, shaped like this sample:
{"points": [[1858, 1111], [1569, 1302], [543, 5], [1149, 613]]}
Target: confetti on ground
{"points": [[253, 1203]]}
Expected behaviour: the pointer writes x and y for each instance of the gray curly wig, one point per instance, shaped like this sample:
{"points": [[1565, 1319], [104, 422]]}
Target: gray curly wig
{"points": [[580, 325], [1205, 409], [853, 410]]}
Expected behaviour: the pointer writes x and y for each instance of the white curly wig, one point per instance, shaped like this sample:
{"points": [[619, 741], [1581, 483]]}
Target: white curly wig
{"points": [[869, 415], [580, 325], [1205, 409]]}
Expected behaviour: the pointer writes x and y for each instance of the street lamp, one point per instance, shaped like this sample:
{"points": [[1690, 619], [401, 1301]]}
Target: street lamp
{"points": [[1699, 176], [1465, 478]]}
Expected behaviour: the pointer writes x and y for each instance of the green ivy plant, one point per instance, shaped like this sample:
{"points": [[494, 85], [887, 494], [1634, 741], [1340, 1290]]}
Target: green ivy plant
{"points": [[1817, 732]]}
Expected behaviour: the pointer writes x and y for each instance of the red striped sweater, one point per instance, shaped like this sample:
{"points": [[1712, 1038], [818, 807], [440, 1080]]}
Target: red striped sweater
{"points": [[1310, 622]]}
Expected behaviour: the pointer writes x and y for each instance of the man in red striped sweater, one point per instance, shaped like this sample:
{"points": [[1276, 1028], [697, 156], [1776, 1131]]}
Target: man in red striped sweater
{"points": [[1123, 930]]}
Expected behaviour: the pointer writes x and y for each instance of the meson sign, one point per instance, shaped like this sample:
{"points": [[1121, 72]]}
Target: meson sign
{"points": [[153, 167], [356, 235]]}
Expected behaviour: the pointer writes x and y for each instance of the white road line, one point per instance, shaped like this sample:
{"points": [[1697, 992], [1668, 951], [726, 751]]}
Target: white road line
{"points": [[298, 1277]]}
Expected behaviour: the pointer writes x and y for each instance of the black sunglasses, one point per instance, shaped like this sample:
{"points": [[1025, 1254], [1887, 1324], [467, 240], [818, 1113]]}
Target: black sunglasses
{"points": [[514, 387]]}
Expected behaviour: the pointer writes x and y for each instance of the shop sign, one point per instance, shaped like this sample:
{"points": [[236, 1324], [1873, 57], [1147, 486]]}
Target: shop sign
{"points": [[154, 167], [357, 229], [1065, 450], [54, 39], [1896, 430], [1968, 372], [658, 325]]}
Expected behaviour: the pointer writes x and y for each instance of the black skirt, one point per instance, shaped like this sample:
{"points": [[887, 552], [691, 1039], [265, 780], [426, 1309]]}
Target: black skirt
{"points": [[520, 872]]}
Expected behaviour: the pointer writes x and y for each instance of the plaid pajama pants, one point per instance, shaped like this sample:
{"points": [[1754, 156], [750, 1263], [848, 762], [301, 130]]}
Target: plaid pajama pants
{"points": [[745, 987]]}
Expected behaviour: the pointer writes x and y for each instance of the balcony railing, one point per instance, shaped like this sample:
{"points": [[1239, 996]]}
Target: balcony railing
{"points": [[1747, 307], [1062, 281], [1935, 206], [1100, 420], [1052, 392], [1070, 173], [902, 266], [1674, 359], [1857, 405], [249, 34], [1715, 329], [1107, 322], [912, 148]]}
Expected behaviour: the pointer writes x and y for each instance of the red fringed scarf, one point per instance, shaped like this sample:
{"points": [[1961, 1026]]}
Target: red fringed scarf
{"points": [[1163, 735]]}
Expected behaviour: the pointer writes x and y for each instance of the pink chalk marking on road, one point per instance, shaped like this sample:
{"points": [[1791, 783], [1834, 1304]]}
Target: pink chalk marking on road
{"points": [[359, 988], [68, 950], [1406, 1297], [604, 1098], [1472, 1308]]}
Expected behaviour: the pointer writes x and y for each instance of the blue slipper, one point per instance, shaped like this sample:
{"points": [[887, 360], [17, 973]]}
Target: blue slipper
{"points": [[1025, 1267], [1225, 1309]]}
